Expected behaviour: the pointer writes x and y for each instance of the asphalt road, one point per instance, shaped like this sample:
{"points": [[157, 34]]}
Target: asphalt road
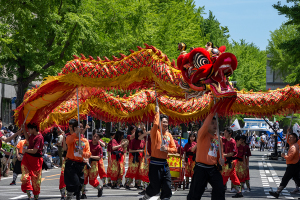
{"points": [[265, 175]]}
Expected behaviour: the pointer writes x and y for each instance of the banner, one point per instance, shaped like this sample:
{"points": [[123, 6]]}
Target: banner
{"points": [[296, 129], [235, 126]]}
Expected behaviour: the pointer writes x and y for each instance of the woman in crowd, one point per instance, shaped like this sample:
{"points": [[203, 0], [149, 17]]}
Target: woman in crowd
{"points": [[241, 165], [109, 150], [117, 160], [136, 160], [189, 157], [248, 154]]}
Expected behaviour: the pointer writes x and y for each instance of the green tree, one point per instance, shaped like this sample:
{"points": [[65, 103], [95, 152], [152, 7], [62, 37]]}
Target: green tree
{"points": [[284, 45], [40, 36], [251, 70], [280, 58], [214, 32]]}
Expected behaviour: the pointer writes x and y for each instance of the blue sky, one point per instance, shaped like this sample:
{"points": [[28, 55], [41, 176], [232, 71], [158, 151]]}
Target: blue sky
{"points": [[251, 20]]}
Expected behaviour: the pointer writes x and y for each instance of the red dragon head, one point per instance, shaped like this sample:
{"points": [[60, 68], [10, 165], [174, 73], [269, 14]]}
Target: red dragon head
{"points": [[207, 69]]}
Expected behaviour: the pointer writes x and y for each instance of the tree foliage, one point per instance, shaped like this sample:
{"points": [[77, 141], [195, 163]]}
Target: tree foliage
{"points": [[39, 37], [280, 58], [284, 45], [251, 71]]}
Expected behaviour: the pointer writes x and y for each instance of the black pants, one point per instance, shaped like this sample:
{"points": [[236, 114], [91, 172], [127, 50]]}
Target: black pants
{"points": [[199, 181], [292, 171], [262, 146], [160, 178], [17, 167], [60, 152], [74, 176]]}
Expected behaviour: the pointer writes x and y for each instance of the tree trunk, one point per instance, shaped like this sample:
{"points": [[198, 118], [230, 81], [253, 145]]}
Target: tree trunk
{"points": [[22, 85], [107, 127], [21, 92]]}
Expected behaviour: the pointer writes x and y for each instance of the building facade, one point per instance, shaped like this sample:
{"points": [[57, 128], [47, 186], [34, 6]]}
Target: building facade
{"points": [[273, 78]]}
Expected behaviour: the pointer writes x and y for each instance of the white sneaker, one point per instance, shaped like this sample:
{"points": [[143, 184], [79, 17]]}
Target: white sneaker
{"points": [[243, 190], [248, 190], [233, 190]]}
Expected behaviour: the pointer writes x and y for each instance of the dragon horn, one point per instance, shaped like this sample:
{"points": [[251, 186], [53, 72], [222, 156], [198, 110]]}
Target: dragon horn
{"points": [[106, 59], [131, 50], [98, 58], [122, 55], [139, 48], [75, 57], [91, 58], [82, 57], [115, 58], [147, 46]]}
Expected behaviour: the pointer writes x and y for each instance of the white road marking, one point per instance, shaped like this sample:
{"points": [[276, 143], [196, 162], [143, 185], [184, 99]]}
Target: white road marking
{"points": [[19, 197], [270, 179], [157, 197]]}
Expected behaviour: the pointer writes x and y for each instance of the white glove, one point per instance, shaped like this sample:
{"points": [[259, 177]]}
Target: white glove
{"points": [[156, 109]]}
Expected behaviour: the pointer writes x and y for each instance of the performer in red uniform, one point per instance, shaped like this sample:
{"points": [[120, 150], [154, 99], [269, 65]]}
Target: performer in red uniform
{"points": [[91, 174], [101, 168], [136, 161], [32, 162], [131, 134], [117, 160], [145, 168], [240, 168], [248, 154], [230, 151], [109, 150], [189, 157]]}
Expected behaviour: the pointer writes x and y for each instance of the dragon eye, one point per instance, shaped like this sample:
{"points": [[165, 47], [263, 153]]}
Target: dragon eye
{"points": [[200, 60]]}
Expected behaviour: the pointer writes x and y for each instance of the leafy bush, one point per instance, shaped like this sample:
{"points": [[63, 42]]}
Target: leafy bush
{"points": [[105, 139], [7, 147]]}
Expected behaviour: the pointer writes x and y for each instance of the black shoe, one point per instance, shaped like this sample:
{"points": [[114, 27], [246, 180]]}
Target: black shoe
{"points": [[78, 196], [274, 194], [109, 185], [187, 186], [238, 195], [13, 183], [135, 185], [117, 187], [63, 198], [105, 186], [127, 187], [100, 192], [142, 192], [83, 196], [121, 185]]}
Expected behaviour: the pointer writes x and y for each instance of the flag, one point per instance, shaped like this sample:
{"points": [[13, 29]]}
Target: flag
{"points": [[235, 126], [296, 128]]}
